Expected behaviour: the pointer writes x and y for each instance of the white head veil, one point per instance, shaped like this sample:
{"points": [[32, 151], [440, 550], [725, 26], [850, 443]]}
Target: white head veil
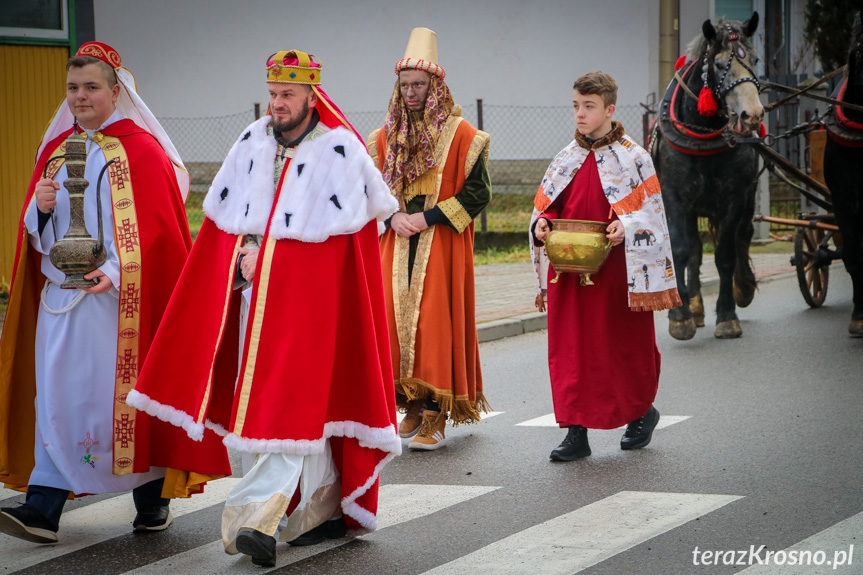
{"points": [[130, 104]]}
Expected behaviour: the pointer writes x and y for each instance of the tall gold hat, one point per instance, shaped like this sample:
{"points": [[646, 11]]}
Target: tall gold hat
{"points": [[421, 53], [294, 67]]}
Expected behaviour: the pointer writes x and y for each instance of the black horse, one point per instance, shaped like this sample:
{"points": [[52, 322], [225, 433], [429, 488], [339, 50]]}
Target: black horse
{"points": [[701, 175], [843, 158]]}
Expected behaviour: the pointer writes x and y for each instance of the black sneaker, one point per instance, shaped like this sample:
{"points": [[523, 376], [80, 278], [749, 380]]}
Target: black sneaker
{"points": [[639, 432], [26, 522], [574, 445], [152, 518], [332, 529], [259, 546]]}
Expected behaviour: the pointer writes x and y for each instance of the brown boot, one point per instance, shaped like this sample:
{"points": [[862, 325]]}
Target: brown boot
{"points": [[431, 435], [413, 419]]}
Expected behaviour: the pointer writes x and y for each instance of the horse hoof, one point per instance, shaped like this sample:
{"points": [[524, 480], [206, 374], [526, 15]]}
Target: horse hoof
{"points": [[696, 306], [681, 329], [728, 329], [855, 328]]}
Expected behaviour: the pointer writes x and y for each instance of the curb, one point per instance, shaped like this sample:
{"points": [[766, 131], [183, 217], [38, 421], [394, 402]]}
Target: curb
{"points": [[535, 321], [515, 325]]}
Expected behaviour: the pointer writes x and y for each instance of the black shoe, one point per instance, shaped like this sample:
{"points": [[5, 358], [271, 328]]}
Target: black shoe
{"points": [[152, 518], [259, 546], [574, 445], [332, 529], [638, 433], [26, 522]]}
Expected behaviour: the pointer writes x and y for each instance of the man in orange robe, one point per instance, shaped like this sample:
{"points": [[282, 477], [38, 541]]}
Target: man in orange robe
{"points": [[435, 163]]}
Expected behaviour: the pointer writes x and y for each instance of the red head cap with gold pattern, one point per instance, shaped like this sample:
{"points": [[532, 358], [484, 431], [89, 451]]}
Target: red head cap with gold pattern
{"points": [[294, 67], [421, 53], [101, 51]]}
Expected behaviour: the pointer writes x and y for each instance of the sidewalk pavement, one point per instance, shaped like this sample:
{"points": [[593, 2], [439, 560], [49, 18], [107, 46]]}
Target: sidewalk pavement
{"points": [[505, 293]]}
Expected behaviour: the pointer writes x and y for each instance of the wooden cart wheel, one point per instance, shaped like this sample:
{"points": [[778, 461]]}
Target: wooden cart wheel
{"points": [[812, 271]]}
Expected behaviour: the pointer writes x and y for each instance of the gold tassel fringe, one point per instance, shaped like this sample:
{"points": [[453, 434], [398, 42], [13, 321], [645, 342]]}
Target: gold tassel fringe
{"points": [[461, 409], [654, 301]]}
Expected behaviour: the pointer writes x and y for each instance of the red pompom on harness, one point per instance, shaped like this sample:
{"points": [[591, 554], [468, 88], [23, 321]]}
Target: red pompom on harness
{"points": [[706, 102], [680, 62]]}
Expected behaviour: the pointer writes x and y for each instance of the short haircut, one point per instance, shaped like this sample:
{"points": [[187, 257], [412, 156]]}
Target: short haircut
{"points": [[107, 71], [597, 83]]}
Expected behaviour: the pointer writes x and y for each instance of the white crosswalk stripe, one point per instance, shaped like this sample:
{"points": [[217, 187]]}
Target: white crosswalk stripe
{"points": [[564, 545], [484, 416], [550, 421], [575, 541], [841, 546], [398, 503], [92, 524]]}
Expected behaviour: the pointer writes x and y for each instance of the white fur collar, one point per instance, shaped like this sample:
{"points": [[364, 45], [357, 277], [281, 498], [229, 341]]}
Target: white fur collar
{"points": [[332, 188]]}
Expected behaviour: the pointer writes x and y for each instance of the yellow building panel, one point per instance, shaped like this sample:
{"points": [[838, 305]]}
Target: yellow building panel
{"points": [[32, 83]]}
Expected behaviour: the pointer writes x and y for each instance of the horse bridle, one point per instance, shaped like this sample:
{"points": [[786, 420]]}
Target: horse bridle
{"points": [[737, 51]]}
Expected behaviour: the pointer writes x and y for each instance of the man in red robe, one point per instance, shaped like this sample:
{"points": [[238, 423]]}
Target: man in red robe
{"points": [[602, 355], [71, 356], [283, 298]]}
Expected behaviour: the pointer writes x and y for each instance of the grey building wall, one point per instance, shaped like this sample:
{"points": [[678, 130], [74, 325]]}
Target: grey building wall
{"points": [[195, 58]]}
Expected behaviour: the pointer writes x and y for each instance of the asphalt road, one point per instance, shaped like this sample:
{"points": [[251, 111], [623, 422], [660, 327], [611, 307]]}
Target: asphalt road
{"points": [[759, 448]]}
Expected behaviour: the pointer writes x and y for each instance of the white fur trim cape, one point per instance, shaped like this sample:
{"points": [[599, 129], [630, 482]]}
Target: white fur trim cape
{"points": [[632, 189], [331, 187]]}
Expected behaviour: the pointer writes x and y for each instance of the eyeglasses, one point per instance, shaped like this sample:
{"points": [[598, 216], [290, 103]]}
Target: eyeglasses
{"points": [[415, 85]]}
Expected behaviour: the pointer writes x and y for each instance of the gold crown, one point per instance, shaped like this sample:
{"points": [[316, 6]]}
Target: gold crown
{"points": [[421, 53], [294, 67]]}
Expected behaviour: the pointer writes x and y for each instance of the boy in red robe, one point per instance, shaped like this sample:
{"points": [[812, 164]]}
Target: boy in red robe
{"points": [[603, 360], [69, 357]]}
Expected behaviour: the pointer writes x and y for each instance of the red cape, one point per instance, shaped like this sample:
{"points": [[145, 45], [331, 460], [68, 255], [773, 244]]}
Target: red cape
{"points": [[315, 366], [163, 233]]}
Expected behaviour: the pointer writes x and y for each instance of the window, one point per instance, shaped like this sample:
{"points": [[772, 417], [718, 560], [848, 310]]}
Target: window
{"points": [[45, 19], [733, 9]]}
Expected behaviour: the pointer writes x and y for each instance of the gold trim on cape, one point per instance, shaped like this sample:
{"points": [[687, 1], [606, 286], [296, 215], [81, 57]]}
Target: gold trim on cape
{"points": [[205, 402], [260, 301], [128, 246], [337, 114], [407, 295], [479, 145], [372, 145]]}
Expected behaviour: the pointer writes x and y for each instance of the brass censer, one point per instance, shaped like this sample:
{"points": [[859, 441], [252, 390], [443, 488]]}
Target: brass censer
{"points": [[577, 246], [78, 253]]}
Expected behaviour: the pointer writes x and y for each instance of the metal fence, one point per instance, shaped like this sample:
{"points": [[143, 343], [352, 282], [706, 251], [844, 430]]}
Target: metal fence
{"points": [[524, 139]]}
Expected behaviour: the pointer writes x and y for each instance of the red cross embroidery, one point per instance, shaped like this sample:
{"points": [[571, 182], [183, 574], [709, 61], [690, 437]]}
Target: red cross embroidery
{"points": [[53, 168], [127, 236], [124, 429], [118, 172], [127, 366], [88, 442], [129, 300]]}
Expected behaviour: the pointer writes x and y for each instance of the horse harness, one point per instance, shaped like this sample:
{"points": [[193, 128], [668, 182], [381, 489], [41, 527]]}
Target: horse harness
{"points": [[841, 130], [737, 52], [692, 139]]}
